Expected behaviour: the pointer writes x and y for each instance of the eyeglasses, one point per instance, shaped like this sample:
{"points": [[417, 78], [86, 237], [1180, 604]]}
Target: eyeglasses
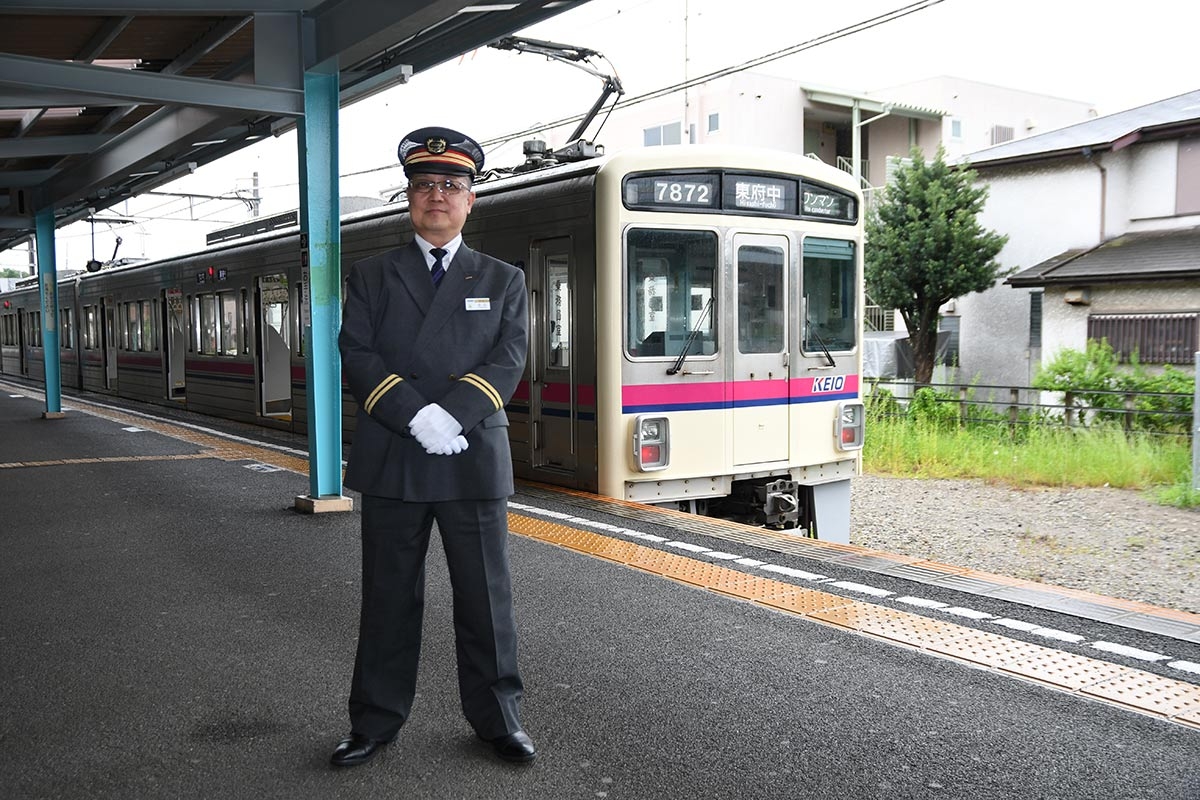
{"points": [[447, 187]]}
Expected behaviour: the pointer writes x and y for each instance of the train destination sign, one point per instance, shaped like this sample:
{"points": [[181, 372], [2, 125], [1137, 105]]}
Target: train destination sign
{"points": [[740, 194], [756, 193], [821, 202]]}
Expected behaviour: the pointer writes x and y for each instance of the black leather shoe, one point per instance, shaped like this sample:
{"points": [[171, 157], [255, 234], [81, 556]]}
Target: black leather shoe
{"points": [[358, 749], [516, 747]]}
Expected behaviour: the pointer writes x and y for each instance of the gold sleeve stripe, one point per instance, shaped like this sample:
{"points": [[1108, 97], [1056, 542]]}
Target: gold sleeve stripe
{"points": [[385, 386], [485, 387]]}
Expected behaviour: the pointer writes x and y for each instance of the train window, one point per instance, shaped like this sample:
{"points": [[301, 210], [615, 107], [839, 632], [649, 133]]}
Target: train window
{"points": [[246, 328], [146, 320], [670, 278], [66, 330], [35, 329], [91, 328], [131, 329], [830, 299], [230, 329], [6, 330], [208, 324], [760, 299], [558, 280]]}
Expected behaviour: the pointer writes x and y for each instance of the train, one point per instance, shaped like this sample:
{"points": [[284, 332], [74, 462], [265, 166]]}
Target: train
{"points": [[696, 318]]}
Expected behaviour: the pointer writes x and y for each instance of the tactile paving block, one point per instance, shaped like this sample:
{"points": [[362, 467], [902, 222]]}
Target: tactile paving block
{"points": [[689, 570], [981, 647], [739, 584], [614, 549], [651, 560], [802, 601], [1068, 670], [1148, 692], [886, 622]]}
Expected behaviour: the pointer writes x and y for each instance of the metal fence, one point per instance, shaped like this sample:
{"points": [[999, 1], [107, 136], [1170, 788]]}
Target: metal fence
{"points": [[1025, 405]]}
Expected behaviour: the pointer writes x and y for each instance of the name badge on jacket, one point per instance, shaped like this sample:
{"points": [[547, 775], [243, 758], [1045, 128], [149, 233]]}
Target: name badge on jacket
{"points": [[479, 304]]}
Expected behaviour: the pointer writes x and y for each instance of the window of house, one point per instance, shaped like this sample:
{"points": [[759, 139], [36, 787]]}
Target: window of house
{"points": [[1155, 338], [1035, 319], [1001, 134], [951, 326], [714, 122], [1187, 177], [956, 129], [670, 133]]}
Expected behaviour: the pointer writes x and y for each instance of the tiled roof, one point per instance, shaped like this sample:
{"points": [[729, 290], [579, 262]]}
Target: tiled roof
{"points": [[1103, 133], [1150, 255]]}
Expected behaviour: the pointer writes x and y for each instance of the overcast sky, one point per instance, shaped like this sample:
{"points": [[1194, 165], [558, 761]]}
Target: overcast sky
{"points": [[1114, 55]]}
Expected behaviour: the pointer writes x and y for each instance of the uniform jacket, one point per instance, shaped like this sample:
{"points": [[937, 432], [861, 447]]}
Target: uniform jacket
{"points": [[405, 344]]}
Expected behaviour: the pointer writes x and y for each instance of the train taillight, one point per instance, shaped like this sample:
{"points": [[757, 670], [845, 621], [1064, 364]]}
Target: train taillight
{"points": [[651, 442], [851, 421]]}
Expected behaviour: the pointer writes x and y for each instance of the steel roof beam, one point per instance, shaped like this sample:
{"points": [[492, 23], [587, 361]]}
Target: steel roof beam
{"points": [[39, 146], [193, 8], [120, 86]]}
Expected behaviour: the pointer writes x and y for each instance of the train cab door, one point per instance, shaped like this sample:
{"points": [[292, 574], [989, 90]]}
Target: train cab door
{"points": [[108, 331], [760, 390], [552, 394], [175, 344], [274, 347]]}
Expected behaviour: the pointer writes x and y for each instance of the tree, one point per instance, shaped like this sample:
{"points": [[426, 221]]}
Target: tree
{"points": [[13, 273], [925, 247]]}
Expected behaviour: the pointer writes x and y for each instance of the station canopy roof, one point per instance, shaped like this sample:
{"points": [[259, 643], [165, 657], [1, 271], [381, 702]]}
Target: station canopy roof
{"points": [[101, 101]]}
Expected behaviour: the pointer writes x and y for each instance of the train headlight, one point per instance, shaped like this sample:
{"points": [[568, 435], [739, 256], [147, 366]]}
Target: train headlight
{"points": [[651, 442], [851, 421]]}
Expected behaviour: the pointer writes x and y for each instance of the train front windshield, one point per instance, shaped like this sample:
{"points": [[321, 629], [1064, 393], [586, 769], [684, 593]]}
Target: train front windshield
{"points": [[828, 281], [671, 298]]}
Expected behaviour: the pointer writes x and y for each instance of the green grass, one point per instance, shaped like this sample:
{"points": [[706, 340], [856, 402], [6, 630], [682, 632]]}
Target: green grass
{"points": [[1037, 455]]}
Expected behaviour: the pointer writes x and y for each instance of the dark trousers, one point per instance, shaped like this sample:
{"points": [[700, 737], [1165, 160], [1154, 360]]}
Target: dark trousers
{"points": [[395, 538]]}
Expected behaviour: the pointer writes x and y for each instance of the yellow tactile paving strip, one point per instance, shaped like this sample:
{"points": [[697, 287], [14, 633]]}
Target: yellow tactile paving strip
{"points": [[1167, 699], [850, 554]]}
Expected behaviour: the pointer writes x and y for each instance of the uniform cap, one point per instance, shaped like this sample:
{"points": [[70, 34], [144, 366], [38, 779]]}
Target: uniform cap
{"points": [[440, 151]]}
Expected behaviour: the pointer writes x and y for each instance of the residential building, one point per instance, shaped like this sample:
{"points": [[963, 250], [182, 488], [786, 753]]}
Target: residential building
{"points": [[1103, 220]]}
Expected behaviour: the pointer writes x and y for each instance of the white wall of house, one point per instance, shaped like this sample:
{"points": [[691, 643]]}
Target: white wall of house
{"points": [[1044, 211]]}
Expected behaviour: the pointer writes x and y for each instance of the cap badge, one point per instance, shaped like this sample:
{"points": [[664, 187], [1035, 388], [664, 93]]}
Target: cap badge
{"points": [[435, 145]]}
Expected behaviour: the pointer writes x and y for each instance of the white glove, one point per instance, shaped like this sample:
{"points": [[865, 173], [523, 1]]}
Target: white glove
{"points": [[453, 447], [433, 428]]}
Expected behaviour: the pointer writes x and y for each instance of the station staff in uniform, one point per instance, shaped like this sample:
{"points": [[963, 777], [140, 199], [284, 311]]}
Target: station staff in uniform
{"points": [[433, 344]]}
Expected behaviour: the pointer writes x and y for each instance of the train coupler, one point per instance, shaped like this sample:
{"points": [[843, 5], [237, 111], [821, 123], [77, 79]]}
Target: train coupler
{"points": [[778, 504]]}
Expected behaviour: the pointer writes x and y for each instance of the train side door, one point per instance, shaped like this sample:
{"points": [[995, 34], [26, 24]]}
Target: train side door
{"points": [[175, 346], [274, 348], [108, 329], [552, 395], [760, 383]]}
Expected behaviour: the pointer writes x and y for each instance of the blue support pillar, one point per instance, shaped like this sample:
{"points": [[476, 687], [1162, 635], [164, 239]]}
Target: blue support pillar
{"points": [[48, 287], [321, 256]]}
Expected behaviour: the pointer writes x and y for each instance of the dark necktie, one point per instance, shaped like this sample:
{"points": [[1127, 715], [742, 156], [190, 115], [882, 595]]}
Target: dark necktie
{"points": [[438, 268]]}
